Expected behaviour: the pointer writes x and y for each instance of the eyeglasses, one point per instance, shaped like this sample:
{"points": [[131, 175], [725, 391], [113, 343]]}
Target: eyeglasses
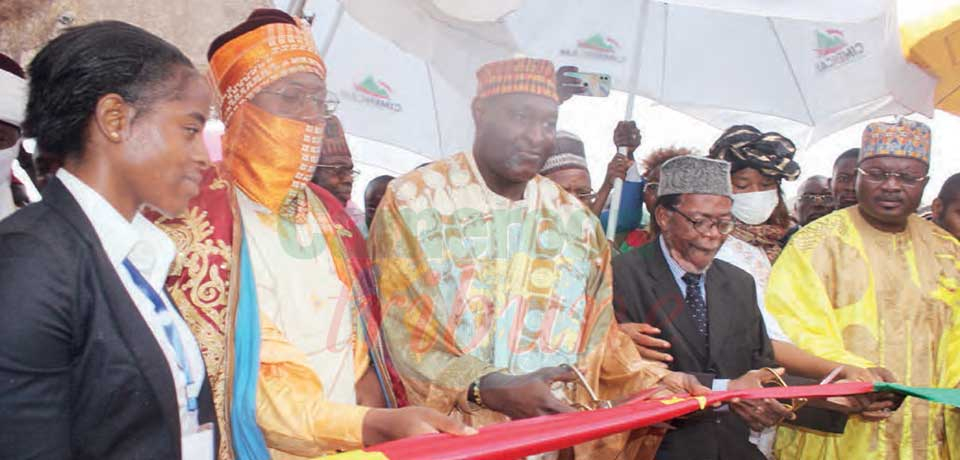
{"points": [[878, 176], [813, 198], [844, 178], [724, 226], [341, 171], [294, 99], [582, 195]]}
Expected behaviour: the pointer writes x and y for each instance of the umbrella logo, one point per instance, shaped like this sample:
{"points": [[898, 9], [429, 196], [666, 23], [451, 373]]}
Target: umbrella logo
{"points": [[373, 92], [830, 41], [833, 50], [599, 43], [375, 88], [596, 46]]}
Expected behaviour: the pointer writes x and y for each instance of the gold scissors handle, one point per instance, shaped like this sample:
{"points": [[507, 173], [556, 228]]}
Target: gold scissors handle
{"points": [[795, 403], [595, 401]]}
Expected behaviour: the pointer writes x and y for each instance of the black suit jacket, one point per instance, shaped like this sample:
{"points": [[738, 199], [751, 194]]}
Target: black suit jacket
{"points": [[81, 375], [646, 292]]}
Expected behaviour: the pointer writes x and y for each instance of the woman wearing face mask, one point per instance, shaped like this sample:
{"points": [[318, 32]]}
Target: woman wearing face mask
{"points": [[759, 162]]}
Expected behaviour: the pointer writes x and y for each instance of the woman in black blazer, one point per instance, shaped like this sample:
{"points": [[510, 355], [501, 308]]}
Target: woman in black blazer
{"points": [[95, 362]]}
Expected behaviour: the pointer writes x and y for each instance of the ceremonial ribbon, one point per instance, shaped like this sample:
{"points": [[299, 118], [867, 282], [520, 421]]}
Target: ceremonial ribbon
{"points": [[520, 438]]}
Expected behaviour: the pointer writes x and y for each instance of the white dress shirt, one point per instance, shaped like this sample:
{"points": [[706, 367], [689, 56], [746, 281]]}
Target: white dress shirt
{"points": [[151, 251]]}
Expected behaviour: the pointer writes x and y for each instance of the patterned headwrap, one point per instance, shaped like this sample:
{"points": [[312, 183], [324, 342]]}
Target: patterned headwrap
{"points": [[334, 140], [905, 138], [568, 155], [521, 75], [268, 46], [769, 153]]}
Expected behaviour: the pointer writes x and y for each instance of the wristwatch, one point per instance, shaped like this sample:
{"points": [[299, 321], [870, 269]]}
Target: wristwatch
{"points": [[473, 392]]}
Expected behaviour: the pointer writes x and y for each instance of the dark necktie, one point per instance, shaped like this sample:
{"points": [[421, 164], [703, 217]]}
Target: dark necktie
{"points": [[695, 304]]}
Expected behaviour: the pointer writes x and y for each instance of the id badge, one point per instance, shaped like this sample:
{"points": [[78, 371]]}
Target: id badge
{"points": [[198, 445]]}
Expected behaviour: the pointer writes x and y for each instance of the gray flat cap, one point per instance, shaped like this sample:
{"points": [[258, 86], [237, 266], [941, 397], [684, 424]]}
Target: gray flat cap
{"points": [[694, 174]]}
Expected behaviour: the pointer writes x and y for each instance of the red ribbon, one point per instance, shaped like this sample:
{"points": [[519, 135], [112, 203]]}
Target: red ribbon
{"points": [[520, 438]]}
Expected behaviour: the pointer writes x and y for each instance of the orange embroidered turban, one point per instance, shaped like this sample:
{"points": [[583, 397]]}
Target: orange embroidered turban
{"points": [[266, 47], [521, 75]]}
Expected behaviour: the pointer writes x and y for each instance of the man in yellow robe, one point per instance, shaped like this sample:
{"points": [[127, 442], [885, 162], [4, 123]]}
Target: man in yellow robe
{"points": [[495, 281], [876, 286]]}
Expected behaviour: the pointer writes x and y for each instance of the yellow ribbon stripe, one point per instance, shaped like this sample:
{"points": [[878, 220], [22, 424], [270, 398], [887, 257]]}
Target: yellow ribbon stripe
{"points": [[355, 455]]}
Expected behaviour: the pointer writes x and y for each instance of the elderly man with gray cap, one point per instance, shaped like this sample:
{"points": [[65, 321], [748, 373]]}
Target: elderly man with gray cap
{"points": [[706, 308]]}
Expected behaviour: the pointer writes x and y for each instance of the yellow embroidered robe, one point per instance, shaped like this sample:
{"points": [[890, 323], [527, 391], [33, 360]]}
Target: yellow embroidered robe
{"points": [[850, 293]]}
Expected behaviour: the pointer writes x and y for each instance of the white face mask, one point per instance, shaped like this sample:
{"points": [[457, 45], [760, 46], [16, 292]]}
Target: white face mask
{"points": [[755, 208], [7, 156]]}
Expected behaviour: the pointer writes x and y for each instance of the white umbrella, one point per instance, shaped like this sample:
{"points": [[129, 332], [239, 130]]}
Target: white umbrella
{"points": [[397, 114], [807, 69], [387, 94]]}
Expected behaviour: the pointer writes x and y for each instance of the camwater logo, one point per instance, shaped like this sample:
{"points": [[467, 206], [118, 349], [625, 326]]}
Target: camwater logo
{"points": [[833, 50], [597, 46], [373, 92]]}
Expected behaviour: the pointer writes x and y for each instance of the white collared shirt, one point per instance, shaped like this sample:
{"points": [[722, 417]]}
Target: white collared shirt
{"points": [[677, 271], [151, 251]]}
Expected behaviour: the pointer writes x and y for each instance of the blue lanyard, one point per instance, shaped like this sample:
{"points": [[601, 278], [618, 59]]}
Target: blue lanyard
{"points": [[169, 328]]}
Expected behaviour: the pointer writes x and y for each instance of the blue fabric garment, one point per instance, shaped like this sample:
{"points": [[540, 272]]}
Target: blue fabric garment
{"points": [[381, 379], [248, 441], [631, 208]]}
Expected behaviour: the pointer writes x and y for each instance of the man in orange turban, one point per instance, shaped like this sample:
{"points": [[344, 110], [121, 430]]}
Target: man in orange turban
{"points": [[274, 278]]}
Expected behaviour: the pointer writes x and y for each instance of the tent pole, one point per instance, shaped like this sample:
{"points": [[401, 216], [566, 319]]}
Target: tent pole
{"points": [[296, 8], [328, 39], [614, 215]]}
